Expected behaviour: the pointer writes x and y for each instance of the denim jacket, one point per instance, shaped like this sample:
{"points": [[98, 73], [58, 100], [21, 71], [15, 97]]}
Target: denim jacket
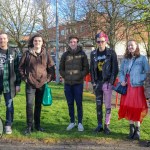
{"points": [[138, 71]]}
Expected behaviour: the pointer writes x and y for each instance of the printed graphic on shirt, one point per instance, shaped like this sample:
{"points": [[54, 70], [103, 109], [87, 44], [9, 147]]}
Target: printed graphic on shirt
{"points": [[101, 56], [2, 61], [101, 62], [11, 58]]}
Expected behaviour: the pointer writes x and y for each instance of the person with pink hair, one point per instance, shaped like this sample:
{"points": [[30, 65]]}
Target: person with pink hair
{"points": [[104, 70]]}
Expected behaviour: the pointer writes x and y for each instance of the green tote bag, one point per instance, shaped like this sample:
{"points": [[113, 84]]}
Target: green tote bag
{"points": [[47, 96]]}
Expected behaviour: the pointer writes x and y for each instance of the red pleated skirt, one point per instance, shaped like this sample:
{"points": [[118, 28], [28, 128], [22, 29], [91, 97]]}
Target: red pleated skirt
{"points": [[133, 105]]}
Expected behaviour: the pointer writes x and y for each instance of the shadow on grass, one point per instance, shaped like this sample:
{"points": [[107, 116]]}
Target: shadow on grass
{"points": [[58, 131]]}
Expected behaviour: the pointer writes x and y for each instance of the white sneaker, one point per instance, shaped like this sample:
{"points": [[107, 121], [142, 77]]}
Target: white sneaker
{"points": [[71, 126], [80, 127], [8, 130]]}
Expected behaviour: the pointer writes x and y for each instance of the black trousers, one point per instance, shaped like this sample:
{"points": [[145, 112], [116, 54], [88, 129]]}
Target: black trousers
{"points": [[31, 94], [103, 92], [99, 102]]}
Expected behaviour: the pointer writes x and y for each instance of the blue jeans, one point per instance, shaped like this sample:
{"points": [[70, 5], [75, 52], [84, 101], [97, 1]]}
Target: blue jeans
{"points": [[9, 107], [74, 92]]}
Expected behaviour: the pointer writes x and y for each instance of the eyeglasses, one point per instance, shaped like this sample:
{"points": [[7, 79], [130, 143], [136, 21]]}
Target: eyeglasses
{"points": [[100, 42]]}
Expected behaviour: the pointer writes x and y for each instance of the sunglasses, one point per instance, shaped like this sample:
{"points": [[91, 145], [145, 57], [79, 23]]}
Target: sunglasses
{"points": [[100, 42]]}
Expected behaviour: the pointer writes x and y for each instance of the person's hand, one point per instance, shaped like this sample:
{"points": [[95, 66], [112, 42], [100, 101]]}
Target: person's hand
{"points": [[123, 83], [17, 89], [94, 86], [149, 101]]}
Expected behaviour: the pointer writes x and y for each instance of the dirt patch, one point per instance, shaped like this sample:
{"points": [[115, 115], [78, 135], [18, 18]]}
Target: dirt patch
{"points": [[81, 144]]}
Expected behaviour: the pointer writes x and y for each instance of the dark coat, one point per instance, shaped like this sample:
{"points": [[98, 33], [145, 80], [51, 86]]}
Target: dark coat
{"points": [[11, 77], [109, 69], [74, 66]]}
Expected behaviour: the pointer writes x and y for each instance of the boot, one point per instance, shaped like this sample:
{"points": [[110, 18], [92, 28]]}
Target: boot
{"points": [[148, 144], [132, 131], [99, 128], [106, 129], [137, 133], [28, 131]]}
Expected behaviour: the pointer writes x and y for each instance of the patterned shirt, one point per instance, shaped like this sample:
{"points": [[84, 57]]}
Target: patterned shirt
{"points": [[2, 61], [12, 61], [101, 56]]}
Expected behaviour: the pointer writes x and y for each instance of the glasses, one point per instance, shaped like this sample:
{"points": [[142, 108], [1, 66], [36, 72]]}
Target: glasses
{"points": [[100, 42]]}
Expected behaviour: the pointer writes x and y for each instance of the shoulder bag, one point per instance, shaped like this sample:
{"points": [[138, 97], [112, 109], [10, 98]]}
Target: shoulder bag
{"points": [[122, 89]]}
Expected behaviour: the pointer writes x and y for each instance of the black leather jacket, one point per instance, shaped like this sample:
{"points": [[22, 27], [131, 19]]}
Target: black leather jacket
{"points": [[109, 69]]}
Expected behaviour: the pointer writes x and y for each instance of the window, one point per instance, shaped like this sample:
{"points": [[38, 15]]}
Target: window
{"points": [[67, 31], [62, 32], [81, 28]]}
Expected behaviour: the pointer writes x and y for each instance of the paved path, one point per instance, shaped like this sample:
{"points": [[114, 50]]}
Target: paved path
{"points": [[75, 145]]}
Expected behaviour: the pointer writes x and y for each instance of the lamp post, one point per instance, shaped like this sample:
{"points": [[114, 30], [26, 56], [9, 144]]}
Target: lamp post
{"points": [[57, 46]]}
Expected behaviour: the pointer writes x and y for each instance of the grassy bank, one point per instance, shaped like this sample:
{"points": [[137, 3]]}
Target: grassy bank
{"points": [[54, 119]]}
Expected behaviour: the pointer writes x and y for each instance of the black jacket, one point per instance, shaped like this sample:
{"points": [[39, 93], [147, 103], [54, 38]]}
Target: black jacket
{"points": [[109, 69]]}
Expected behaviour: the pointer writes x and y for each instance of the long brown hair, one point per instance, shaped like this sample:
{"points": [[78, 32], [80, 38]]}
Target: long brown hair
{"points": [[30, 43], [136, 53]]}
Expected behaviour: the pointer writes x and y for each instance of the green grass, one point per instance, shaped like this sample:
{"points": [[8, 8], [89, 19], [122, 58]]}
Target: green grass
{"points": [[55, 118]]}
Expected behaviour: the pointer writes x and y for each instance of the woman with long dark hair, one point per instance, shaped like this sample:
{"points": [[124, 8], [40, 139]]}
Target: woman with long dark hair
{"points": [[36, 68], [133, 106]]}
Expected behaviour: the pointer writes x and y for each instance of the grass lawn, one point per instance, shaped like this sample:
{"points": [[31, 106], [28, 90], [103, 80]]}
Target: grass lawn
{"points": [[55, 119]]}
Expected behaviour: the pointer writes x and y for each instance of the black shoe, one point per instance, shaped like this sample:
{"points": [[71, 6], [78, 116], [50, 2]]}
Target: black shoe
{"points": [[148, 144], [132, 132], [106, 129], [99, 129], [28, 131], [137, 134], [39, 129]]}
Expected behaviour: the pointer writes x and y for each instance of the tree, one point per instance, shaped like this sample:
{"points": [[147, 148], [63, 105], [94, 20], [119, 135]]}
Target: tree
{"points": [[71, 10], [108, 16], [142, 14], [45, 18], [69, 13], [18, 18]]}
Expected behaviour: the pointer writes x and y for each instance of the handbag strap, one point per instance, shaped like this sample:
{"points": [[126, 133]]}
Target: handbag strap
{"points": [[130, 68]]}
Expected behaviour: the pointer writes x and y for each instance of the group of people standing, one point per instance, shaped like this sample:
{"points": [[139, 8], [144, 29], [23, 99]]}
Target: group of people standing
{"points": [[35, 67], [134, 70]]}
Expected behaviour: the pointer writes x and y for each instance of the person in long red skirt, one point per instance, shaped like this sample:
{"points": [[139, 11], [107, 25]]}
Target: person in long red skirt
{"points": [[133, 106]]}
